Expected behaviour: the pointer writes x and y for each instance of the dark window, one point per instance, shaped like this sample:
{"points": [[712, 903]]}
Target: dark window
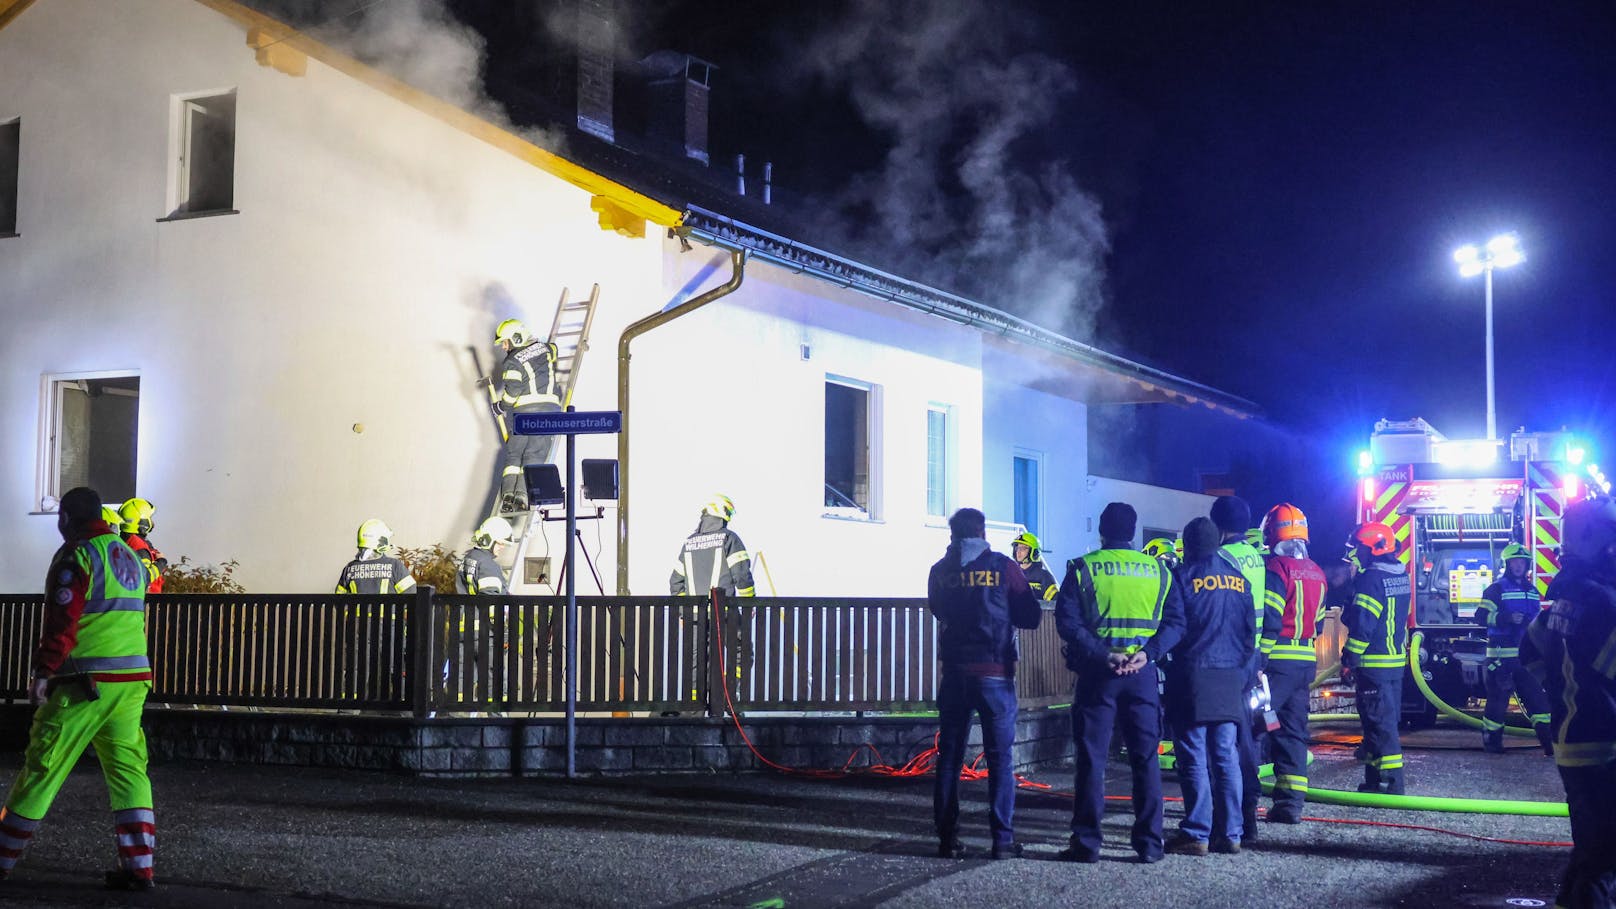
{"points": [[94, 436], [207, 154], [10, 151], [847, 447]]}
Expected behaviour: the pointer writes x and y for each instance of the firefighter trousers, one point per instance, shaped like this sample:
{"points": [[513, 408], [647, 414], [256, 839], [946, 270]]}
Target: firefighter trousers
{"points": [[1590, 876], [1506, 677], [68, 722], [1380, 706], [1288, 682], [522, 450]]}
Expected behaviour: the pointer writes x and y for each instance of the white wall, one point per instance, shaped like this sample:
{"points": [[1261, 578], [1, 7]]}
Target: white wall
{"points": [[1158, 507], [374, 244]]}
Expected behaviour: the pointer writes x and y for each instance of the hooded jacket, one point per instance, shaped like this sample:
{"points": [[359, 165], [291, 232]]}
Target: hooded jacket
{"points": [[979, 597]]}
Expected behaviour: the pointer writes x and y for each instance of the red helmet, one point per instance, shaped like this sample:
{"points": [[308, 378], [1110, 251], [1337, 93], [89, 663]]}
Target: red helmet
{"points": [[1284, 522], [1376, 537]]}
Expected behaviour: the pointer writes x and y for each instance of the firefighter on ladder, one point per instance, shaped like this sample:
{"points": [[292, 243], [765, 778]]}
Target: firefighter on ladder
{"points": [[526, 384], [91, 678], [1029, 555], [1293, 599], [1376, 653], [1507, 606]]}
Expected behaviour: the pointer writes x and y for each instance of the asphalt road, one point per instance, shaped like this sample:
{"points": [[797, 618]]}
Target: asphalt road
{"points": [[250, 836]]}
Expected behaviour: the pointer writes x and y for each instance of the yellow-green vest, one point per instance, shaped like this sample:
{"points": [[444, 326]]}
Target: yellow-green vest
{"points": [[112, 630], [1129, 591]]}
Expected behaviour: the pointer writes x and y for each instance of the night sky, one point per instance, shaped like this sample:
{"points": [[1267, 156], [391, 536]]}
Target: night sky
{"points": [[1283, 185]]}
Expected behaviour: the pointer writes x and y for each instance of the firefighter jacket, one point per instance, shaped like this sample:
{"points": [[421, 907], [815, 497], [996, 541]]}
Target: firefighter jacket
{"points": [[1042, 582], [95, 611], [479, 573], [528, 377], [1377, 618], [979, 598], [150, 559], [1249, 563], [1116, 601], [1571, 648], [372, 572], [1507, 606], [1293, 601], [713, 556], [1217, 655]]}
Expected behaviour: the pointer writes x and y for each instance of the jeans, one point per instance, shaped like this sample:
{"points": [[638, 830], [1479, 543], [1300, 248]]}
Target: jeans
{"points": [[1202, 751], [1098, 704], [958, 696]]}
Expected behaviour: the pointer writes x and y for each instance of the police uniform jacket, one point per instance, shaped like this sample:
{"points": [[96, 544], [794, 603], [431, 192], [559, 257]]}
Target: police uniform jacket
{"points": [[1507, 606], [1043, 583], [1293, 608], [528, 377], [979, 598], [479, 573], [1377, 618], [376, 574], [713, 556], [1211, 664], [1116, 600], [1571, 648]]}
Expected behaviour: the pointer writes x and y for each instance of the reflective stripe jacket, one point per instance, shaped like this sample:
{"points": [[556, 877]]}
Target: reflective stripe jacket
{"points": [[528, 375], [150, 559], [713, 556], [980, 597], [1249, 563], [373, 572], [1377, 618], [1507, 606], [95, 610], [1041, 581], [1571, 648], [1116, 601], [479, 573], [1293, 599]]}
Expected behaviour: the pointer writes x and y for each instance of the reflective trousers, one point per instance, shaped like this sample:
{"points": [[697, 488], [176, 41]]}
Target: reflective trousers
{"points": [[1288, 682], [63, 727], [521, 451], [1380, 706], [1099, 703], [1506, 676]]}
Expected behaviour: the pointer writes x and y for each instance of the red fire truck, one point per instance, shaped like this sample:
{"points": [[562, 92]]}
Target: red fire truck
{"points": [[1454, 504]]}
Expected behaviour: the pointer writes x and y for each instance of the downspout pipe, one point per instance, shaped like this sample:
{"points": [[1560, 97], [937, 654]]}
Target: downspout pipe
{"points": [[737, 261]]}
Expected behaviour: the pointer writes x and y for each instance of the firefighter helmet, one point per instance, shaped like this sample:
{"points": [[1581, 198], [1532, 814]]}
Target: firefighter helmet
{"points": [[494, 530], [514, 331], [1254, 539], [375, 534], [1514, 551], [720, 507], [137, 516], [111, 516], [1590, 528], [1284, 522], [1375, 537], [1159, 548], [1035, 549]]}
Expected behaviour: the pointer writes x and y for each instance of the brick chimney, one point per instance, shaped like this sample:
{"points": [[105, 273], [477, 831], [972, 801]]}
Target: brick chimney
{"points": [[676, 101]]}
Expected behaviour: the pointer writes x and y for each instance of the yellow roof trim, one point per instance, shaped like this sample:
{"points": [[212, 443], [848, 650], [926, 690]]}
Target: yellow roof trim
{"points": [[11, 9], [617, 198]]}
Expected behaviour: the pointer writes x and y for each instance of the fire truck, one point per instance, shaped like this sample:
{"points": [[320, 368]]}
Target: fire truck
{"points": [[1454, 504]]}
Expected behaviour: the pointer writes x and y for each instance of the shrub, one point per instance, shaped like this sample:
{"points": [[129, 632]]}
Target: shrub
{"points": [[436, 566], [220, 578]]}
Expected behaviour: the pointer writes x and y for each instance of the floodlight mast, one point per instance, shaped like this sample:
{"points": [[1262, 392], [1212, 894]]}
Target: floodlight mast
{"points": [[1501, 251]]}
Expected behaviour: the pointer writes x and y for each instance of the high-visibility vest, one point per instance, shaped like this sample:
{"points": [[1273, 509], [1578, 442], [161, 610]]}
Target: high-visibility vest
{"points": [[1249, 563], [112, 630], [1130, 589]]}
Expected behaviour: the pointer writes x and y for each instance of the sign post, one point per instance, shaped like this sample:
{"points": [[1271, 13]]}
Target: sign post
{"points": [[570, 423]]}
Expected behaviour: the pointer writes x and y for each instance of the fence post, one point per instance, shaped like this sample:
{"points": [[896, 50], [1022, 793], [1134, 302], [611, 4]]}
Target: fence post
{"points": [[418, 651], [715, 653]]}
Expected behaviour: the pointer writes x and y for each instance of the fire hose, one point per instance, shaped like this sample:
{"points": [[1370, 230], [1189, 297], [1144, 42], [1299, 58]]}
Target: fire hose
{"points": [[1442, 706]]}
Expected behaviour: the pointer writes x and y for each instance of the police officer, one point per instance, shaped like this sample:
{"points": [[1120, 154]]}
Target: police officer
{"points": [[526, 384], [979, 598], [1205, 696], [135, 519], [1571, 648], [479, 574], [1118, 613], [1376, 654], [373, 570], [91, 678], [1232, 515], [1507, 606], [1293, 599], [1029, 555]]}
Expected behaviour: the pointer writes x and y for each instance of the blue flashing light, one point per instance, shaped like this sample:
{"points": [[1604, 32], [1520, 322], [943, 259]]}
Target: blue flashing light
{"points": [[1365, 462], [1576, 453]]}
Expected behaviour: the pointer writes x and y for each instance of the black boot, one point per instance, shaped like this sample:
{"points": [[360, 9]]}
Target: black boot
{"points": [[1391, 782], [123, 879], [1545, 737], [1493, 742], [1371, 779]]}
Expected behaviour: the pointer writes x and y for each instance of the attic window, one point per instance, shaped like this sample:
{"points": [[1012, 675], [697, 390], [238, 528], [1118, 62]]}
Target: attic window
{"points": [[204, 155]]}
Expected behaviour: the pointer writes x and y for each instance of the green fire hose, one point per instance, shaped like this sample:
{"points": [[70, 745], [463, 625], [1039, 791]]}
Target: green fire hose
{"points": [[1442, 706]]}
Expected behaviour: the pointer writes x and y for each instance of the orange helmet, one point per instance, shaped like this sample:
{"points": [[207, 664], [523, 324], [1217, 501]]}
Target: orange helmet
{"points": [[1375, 537], [1284, 522]]}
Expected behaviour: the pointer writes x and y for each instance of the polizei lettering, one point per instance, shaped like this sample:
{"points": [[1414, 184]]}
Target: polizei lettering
{"points": [[972, 579], [1220, 582], [1126, 569]]}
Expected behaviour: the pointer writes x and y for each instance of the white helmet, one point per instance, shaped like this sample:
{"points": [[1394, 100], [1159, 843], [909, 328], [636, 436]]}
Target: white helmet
{"points": [[494, 530], [375, 534]]}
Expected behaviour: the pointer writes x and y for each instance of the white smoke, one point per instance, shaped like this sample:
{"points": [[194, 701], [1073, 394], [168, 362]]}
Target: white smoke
{"points": [[959, 199]]}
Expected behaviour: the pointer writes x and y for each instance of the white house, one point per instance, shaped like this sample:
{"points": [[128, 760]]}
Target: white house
{"points": [[244, 275]]}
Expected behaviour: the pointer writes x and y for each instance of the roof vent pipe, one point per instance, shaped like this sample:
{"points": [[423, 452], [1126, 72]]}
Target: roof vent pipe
{"points": [[768, 182], [740, 174]]}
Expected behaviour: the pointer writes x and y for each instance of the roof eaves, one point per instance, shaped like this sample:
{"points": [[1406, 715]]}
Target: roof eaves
{"points": [[721, 230], [11, 9], [616, 204]]}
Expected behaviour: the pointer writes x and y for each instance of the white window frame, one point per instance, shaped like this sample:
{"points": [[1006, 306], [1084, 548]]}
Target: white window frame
{"points": [[1037, 457], [48, 473], [873, 435], [950, 460], [179, 143]]}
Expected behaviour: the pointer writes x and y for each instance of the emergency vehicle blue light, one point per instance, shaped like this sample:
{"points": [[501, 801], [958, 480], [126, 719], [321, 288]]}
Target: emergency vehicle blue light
{"points": [[1365, 461], [1575, 454]]}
